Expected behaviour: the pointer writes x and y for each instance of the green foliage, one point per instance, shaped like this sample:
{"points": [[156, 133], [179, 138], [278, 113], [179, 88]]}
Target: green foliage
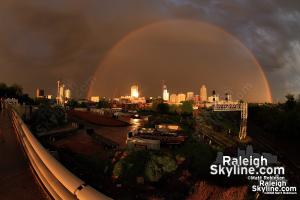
{"points": [[199, 157], [162, 108], [279, 120], [26, 99], [158, 166], [164, 119], [155, 103], [152, 165], [82, 105], [103, 104], [3, 90], [187, 108], [174, 109], [117, 171], [46, 118], [290, 103], [42, 101], [14, 91], [72, 103], [132, 166], [220, 121]]}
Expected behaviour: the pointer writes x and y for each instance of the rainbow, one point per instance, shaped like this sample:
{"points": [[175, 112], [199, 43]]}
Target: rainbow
{"points": [[137, 31]]}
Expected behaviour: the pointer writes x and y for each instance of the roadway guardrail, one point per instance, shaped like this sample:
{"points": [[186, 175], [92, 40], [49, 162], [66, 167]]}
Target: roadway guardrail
{"points": [[60, 183]]}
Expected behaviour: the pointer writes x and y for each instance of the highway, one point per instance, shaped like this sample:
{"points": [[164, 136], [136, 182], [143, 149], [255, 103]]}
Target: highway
{"points": [[17, 180]]}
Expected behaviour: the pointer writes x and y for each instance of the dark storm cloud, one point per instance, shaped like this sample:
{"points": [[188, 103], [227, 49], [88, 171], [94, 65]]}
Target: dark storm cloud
{"points": [[268, 28], [41, 41]]}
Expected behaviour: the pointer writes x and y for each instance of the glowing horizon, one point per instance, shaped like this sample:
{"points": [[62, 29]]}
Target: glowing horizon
{"points": [[136, 39]]}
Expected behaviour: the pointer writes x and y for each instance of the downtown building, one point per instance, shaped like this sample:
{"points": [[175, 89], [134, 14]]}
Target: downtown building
{"points": [[165, 93]]}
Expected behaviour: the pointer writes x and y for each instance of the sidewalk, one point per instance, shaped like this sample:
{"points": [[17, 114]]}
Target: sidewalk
{"points": [[16, 178]]}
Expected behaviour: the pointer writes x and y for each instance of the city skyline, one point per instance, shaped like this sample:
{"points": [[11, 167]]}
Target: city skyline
{"points": [[73, 44], [139, 99]]}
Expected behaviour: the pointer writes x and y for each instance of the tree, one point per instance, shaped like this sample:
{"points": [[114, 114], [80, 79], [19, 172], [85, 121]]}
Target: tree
{"points": [[163, 108], [187, 108], [3, 89], [174, 109], [13, 91], [103, 104], [46, 118], [25, 99], [158, 166], [298, 99], [72, 103], [290, 102], [83, 105]]}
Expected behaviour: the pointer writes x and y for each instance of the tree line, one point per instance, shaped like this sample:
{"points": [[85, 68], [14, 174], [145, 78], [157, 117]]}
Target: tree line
{"points": [[14, 91], [281, 120]]}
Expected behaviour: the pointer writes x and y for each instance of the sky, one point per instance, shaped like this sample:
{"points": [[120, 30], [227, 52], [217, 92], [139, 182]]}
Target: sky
{"points": [[43, 41]]}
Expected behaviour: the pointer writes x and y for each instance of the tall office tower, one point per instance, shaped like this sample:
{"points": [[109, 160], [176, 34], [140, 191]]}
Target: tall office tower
{"points": [[57, 94], [61, 96], [165, 93], [190, 96], [203, 93], [40, 93], [135, 91], [215, 98], [228, 97], [68, 94], [181, 97], [173, 98]]}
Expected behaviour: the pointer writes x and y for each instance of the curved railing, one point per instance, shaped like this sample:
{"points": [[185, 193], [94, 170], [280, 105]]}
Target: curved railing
{"points": [[59, 182]]}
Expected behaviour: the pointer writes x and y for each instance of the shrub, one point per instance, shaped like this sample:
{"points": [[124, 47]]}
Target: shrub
{"points": [[158, 166], [46, 118]]}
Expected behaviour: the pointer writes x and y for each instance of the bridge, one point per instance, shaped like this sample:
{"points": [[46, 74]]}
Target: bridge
{"points": [[29, 171]]}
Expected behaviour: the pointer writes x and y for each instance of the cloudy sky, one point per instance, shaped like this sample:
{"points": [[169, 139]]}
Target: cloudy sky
{"points": [[42, 41]]}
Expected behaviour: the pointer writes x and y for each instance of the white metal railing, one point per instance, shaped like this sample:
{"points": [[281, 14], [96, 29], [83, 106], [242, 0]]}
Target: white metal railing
{"points": [[59, 182]]}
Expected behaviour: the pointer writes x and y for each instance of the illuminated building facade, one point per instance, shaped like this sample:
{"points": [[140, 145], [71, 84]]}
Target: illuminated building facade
{"points": [[63, 94], [40, 93], [173, 98], [68, 94], [189, 96], [165, 93], [135, 91], [95, 99], [215, 98], [203, 93], [181, 97]]}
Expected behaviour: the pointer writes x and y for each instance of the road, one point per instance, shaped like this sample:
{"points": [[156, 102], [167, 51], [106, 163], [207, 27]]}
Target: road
{"points": [[17, 181]]}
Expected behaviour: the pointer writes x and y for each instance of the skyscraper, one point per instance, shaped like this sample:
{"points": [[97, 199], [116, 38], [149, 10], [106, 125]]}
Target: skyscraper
{"points": [[68, 94], [228, 97], [61, 93], [181, 97], [58, 93], [190, 96], [40, 93], [135, 91], [215, 98], [173, 98], [165, 93], [203, 93]]}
